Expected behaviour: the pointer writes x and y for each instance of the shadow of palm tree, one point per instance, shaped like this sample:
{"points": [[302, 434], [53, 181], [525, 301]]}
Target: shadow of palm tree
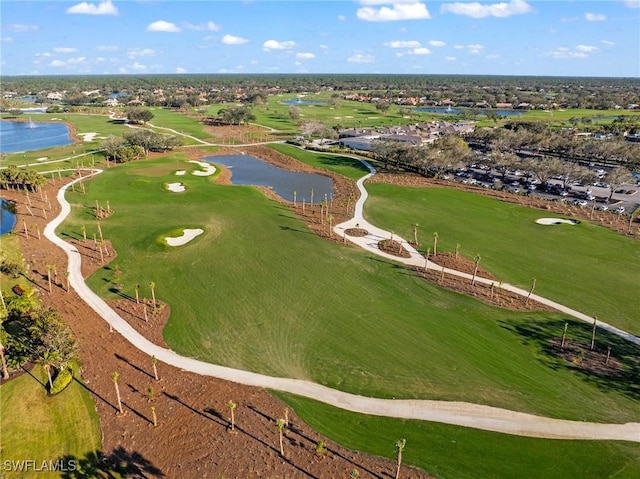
{"points": [[117, 464]]}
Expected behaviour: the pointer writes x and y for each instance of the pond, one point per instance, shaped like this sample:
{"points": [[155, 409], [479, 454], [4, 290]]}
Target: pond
{"points": [[7, 216], [249, 170], [298, 101], [29, 135], [457, 111]]}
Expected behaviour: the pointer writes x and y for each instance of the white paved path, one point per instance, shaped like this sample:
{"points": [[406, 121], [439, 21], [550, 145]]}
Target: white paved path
{"points": [[448, 412]]}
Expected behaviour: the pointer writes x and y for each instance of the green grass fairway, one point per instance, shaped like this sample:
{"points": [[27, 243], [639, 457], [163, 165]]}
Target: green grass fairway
{"points": [[177, 121], [343, 165], [586, 267], [258, 291], [40, 428], [453, 452]]}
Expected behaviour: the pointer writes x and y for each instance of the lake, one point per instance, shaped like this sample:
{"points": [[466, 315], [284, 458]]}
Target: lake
{"points": [[7, 216], [249, 170], [295, 101], [29, 135], [457, 111]]}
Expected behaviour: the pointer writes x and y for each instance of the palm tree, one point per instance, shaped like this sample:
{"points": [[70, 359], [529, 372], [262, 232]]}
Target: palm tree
{"points": [[152, 285], [232, 407], [47, 360], [114, 377], [280, 425], [400, 444], [5, 371], [154, 361]]}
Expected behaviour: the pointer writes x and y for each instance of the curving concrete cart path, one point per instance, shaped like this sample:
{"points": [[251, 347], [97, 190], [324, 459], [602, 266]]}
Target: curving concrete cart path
{"points": [[448, 412]]}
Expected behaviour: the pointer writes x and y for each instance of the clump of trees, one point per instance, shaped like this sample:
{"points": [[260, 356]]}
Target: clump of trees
{"points": [[13, 177], [235, 115], [138, 115], [37, 334], [136, 144]]}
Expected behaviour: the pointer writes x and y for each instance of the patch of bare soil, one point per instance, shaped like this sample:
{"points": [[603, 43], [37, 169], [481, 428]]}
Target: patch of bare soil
{"points": [[582, 357], [394, 248], [192, 439], [356, 232]]}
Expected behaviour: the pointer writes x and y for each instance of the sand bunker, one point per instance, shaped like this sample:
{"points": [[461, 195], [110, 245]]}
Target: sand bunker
{"points": [[181, 173], [88, 136], [209, 169], [187, 235], [44, 158], [555, 221], [176, 187]]}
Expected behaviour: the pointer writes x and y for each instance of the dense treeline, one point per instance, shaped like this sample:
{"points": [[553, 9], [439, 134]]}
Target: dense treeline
{"points": [[598, 93]]}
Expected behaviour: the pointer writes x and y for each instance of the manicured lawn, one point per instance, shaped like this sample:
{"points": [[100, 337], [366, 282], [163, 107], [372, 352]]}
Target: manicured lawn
{"points": [[258, 291], [343, 165], [586, 267], [454, 452], [40, 428], [179, 122]]}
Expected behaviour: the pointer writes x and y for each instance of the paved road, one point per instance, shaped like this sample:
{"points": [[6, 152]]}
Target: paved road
{"points": [[448, 412]]}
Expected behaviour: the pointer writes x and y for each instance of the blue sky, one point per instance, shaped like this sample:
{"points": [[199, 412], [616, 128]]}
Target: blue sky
{"points": [[498, 37]]}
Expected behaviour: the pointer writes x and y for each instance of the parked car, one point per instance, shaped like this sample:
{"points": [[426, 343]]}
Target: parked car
{"points": [[579, 202], [602, 207], [618, 209]]}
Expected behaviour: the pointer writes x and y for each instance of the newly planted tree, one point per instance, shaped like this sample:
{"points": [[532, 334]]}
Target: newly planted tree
{"points": [[280, 425], [232, 407], [435, 243], [152, 285], [114, 377], [400, 444], [154, 362]]}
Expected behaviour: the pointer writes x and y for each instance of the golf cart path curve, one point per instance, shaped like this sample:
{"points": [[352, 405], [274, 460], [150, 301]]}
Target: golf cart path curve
{"points": [[449, 412]]}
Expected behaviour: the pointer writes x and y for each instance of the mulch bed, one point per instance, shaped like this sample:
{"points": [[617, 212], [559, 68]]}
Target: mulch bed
{"points": [[581, 357]]}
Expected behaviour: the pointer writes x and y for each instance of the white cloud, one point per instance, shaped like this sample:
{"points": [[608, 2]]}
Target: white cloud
{"points": [[581, 51], [420, 51], [76, 60], [493, 56], [233, 40], [65, 49], [138, 66], [475, 48], [162, 26], [609, 43], [276, 45], [140, 52], [305, 56], [181, 70], [22, 28], [404, 44], [586, 48], [44, 55], [211, 26], [436, 43], [450, 59], [595, 17], [342, 18], [458, 47], [361, 58], [399, 10], [7, 40], [632, 3], [103, 8], [324, 47], [57, 63], [106, 48], [479, 10], [100, 59]]}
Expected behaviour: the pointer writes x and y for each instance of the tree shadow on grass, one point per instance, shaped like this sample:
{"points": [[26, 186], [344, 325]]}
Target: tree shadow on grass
{"points": [[621, 374], [117, 464]]}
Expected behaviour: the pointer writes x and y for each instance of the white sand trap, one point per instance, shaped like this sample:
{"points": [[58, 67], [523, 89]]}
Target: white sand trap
{"points": [[555, 221], [187, 235], [208, 168], [181, 173], [44, 158], [348, 116], [176, 187], [88, 136]]}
